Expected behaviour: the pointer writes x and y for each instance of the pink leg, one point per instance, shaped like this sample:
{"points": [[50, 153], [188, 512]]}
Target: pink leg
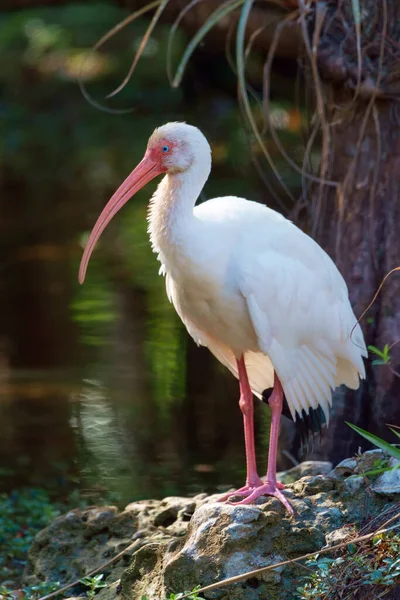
{"points": [[247, 408], [251, 491]]}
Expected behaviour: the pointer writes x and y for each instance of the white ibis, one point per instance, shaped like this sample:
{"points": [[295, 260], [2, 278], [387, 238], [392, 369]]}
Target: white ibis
{"points": [[262, 295]]}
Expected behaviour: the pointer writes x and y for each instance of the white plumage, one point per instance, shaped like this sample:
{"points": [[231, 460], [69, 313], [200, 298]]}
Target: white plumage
{"points": [[263, 288], [246, 282]]}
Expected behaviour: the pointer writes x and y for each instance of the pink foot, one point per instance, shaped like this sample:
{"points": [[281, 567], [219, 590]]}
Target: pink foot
{"points": [[246, 490], [251, 493]]}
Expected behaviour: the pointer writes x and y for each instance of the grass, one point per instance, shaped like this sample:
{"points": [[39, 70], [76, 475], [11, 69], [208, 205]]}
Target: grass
{"points": [[379, 442]]}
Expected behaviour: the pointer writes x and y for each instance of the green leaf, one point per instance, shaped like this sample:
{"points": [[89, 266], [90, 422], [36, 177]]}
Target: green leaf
{"points": [[376, 351], [378, 471], [242, 89], [377, 441], [356, 11], [352, 548], [214, 18], [383, 354], [395, 432]]}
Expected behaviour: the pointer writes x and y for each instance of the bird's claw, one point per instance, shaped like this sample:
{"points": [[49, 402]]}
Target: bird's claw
{"points": [[243, 491], [251, 493]]}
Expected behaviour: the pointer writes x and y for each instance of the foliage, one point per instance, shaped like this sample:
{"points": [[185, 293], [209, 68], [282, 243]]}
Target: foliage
{"points": [[384, 355], [31, 592], [365, 573], [373, 568], [22, 515], [93, 584], [379, 442], [193, 595]]}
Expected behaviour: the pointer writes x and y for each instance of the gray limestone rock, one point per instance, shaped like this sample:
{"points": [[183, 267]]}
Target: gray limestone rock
{"points": [[308, 467], [179, 543], [388, 484]]}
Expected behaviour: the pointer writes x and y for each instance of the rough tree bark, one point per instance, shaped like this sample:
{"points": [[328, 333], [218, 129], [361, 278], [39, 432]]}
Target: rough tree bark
{"points": [[360, 220]]}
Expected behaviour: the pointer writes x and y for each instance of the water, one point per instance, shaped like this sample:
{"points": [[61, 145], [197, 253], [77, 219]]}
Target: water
{"points": [[142, 413], [100, 387]]}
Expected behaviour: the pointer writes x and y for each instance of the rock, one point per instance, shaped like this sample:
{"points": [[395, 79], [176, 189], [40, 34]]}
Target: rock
{"points": [[353, 484], [222, 541], [77, 542], [308, 467], [388, 484], [344, 469], [339, 535], [361, 464], [180, 543], [371, 459]]}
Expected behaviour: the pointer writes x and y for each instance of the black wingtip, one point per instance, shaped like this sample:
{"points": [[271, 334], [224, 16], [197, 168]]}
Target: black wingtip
{"points": [[309, 427]]}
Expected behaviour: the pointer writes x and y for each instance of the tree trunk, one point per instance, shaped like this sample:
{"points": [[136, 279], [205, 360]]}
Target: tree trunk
{"points": [[360, 219]]}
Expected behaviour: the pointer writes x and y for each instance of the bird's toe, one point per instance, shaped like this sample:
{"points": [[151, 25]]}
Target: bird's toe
{"points": [[252, 494]]}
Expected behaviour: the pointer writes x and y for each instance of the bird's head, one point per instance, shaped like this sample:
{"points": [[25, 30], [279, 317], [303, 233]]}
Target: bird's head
{"points": [[173, 148]]}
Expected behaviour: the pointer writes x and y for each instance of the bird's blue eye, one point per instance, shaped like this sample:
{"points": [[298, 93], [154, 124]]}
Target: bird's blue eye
{"points": [[165, 148]]}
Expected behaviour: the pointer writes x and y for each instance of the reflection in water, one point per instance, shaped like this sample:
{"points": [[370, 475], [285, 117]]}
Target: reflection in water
{"points": [[102, 427], [101, 387], [36, 441]]}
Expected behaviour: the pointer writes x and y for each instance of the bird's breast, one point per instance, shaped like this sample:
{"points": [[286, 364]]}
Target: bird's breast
{"points": [[214, 307], [203, 282]]}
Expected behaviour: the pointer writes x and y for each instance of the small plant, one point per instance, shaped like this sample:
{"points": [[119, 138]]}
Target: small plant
{"points": [[366, 572], [193, 595], [379, 442], [93, 584], [383, 355], [23, 514], [31, 592]]}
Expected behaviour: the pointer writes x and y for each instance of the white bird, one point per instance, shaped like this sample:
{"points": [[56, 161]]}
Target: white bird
{"points": [[262, 295]]}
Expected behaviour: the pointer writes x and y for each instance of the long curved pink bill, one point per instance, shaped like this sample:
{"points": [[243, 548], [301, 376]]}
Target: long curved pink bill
{"points": [[146, 170]]}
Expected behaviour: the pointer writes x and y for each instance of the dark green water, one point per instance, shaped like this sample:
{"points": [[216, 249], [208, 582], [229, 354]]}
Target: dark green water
{"points": [[143, 412]]}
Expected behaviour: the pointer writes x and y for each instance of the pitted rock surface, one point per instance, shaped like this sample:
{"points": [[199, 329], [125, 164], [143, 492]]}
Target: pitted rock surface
{"points": [[180, 543]]}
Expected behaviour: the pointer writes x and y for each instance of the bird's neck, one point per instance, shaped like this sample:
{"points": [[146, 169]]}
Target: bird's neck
{"points": [[170, 212]]}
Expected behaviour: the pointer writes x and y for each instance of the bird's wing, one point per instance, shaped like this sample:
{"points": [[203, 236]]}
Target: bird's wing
{"points": [[260, 371], [259, 368], [299, 307]]}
